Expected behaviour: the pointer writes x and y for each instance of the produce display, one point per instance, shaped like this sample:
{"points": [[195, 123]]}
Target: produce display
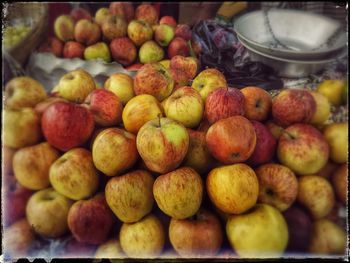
{"points": [[12, 35], [170, 163]]}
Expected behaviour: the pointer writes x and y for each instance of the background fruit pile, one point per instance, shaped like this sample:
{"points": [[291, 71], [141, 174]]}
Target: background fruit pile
{"points": [[118, 33], [14, 34]]}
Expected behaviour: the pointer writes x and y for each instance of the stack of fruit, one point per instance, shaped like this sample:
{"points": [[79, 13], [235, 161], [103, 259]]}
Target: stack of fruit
{"points": [[149, 164], [119, 33], [15, 34]]}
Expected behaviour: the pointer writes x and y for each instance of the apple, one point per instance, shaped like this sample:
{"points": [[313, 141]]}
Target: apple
{"points": [[139, 110], [299, 228], [233, 189], [101, 14], [47, 213], [139, 32], [123, 51], [178, 46], [52, 45], [303, 149], [143, 239], [162, 144], [91, 220], [105, 107], [332, 90], [155, 80], [113, 27], [196, 46], [67, 125], [340, 183], [186, 106], [21, 128], [278, 185], [231, 140], [147, 13], [293, 106], [200, 235], [130, 196], [121, 85], [328, 238], [254, 234], [323, 108], [183, 69], [23, 92], [183, 31], [123, 9], [106, 150], [179, 193], [109, 249], [336, 135], [134, 67], [150, 52], [316, 195], [275, 129], [209, 80], [168, 20], [64, 28], [74, 174], [98, 51], [74, 86], [75, 249], [31, 165], [73, 49], [79, 13], [265, 147], [87, 32], [164, 34], [165, 63]]}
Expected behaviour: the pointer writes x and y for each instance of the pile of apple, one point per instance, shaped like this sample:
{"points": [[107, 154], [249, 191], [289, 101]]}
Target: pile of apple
{"points": [[172, 162], [119, 33]]}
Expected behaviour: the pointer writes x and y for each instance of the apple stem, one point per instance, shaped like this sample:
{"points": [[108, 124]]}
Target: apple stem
{"points": [[290, 135], [159, 117]]}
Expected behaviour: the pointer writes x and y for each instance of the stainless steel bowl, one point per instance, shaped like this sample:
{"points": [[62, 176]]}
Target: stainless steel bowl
{"points": [[291, 34]]}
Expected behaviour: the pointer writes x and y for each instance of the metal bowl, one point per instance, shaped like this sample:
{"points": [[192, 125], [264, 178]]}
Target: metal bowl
{"points": [[291, 34]]}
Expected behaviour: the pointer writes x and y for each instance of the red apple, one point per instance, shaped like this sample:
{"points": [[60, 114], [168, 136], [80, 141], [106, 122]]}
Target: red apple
{"points": [[123, 9], [73, 49], [134, 67], [265, 145], [123, 51], [223, 103], [87, 32], [257, 104], [169, 20], [52, 45], [183, 31], [183, 69], [114, 26], [67, 125], [79, 13], [340, 183], [147, 13], [178, 46]]}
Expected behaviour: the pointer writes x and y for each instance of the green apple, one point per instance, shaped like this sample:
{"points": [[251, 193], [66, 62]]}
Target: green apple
{"points": [[261, 232], [64, 28], [323, 108], [98, 51], [332, 89], [150, 52], [121, 85], [164, 34], [336, 135]]}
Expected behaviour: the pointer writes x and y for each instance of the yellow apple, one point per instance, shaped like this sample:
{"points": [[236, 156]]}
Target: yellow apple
{"points": [[101, 14], [336, 135], [165, 63], [109, 249], [121, 85], [332, 89], [323, 108]]}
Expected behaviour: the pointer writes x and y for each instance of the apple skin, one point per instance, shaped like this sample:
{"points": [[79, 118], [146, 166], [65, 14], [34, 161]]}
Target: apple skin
{"points": [[123, 9], [293, 106], [87, 32], [150, 52], [74, 174], [139, 32], [109, 249], [79, 13], [21, 92], [121, 85], [183, 31], [52, 45], [74, 86], [162, 144], [265, 147], [332, 90], [42, 106], [179, 193], [164, 34], [64, 28], [147, 13], [123, 51], [257, 104], [101, 14], [105, 107], [316, 195], [323, 108], [233, 188], [186, 106], [67, 125], [278, 186], [183, 69], [106, 150], [209, 80], [200, 236], [47, 213], [31, 165], [178, 46], [168, 20], [114, 27], [336, 135], [303, 149], [223, 103], [130, 196], [260, 239], [73, 49], [15, 122], [98, 51], [299, 228], [340, 183], [155, 80], [275, 129], [231, 140], [143, 239]]}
